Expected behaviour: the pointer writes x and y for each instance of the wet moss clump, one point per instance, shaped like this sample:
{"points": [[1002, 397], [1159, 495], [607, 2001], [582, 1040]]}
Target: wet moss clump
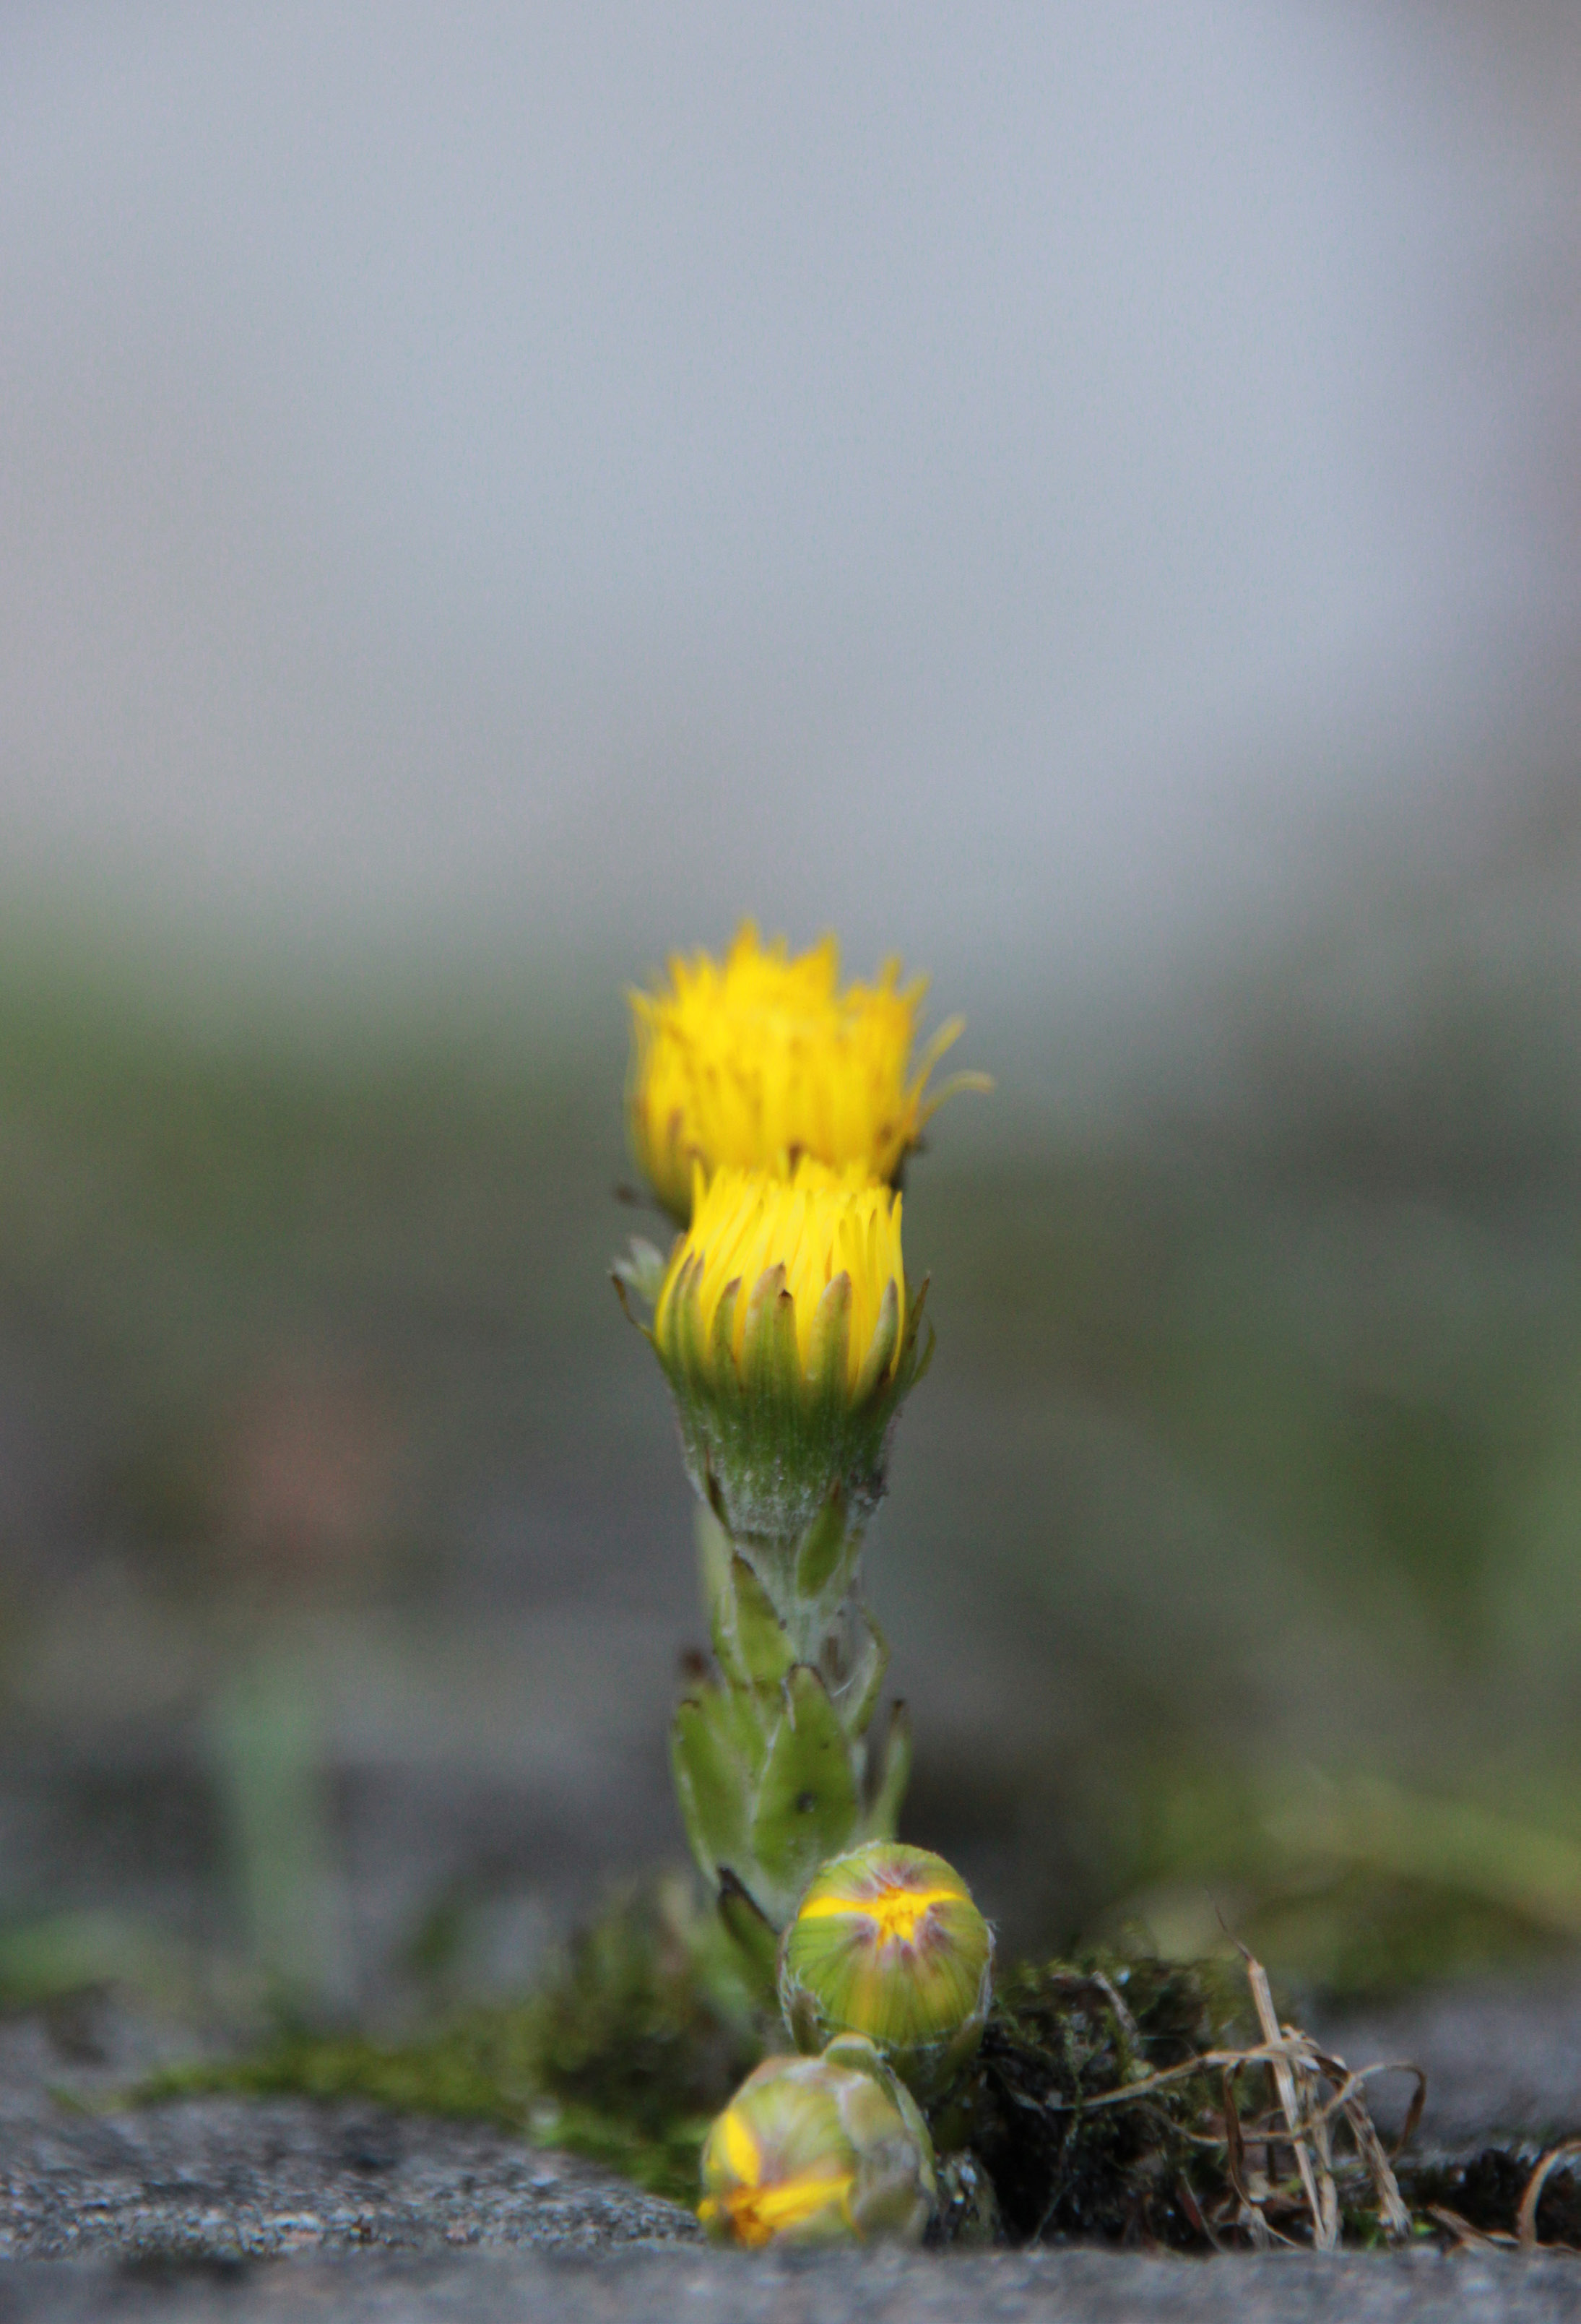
{"points": [[1063, 2034], [1487, 2191]]}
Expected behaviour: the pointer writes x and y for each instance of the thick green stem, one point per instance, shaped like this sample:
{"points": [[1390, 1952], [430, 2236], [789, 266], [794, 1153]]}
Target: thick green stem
{"points": [[771, 1757]]}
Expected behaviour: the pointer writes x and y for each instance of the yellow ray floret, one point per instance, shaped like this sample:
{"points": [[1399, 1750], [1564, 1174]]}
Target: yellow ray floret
{"points": [[766, 1057], [758, 2214], [894, 1913], [824, 1228], [818, 2151], [758, 2211]]}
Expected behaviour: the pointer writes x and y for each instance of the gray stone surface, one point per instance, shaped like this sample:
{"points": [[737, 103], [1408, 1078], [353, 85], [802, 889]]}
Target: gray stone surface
{"points": [[1502, 2054], [223, 2178], [879, 2287]]}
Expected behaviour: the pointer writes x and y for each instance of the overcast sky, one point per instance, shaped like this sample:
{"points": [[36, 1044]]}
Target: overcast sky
{"points": [[1043, 486]]}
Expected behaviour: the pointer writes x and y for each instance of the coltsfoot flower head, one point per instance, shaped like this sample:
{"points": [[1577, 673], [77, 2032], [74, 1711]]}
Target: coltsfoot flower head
{"points": [[832, 1241], [765, 1057], [818, 2150], [786, 1328], [887, 1943]]}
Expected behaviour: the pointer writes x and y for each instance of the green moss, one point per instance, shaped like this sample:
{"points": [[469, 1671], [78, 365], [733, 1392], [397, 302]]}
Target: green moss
{"points": [[1063, 2034], [624, 2057]]}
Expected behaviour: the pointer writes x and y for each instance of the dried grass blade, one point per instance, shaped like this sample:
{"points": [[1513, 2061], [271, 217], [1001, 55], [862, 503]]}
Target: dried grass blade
{"points": [[1349, 2100], [1467, 2236], [1308, 2082], [1254, 2202], [1127, 2093], [1234, 2164], [1193, 2211], [1414, 2111], [1391, 2207], [1322, 2203], [1526, 2218], [1347, 2083]]}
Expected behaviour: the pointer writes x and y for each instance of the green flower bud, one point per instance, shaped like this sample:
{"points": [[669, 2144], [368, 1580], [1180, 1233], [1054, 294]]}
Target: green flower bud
{"points": [[818, 2150], [887, 1942]]}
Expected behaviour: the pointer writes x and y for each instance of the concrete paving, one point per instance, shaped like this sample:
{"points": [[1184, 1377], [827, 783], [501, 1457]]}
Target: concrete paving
{"points": [[1073, 2287]]}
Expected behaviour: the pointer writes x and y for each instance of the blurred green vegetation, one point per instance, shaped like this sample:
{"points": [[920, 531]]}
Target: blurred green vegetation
{"points": [[1249, 1473]]}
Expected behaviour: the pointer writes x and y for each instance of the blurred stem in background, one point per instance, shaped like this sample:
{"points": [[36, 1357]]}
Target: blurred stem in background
{"points": [[302, 1493], [265, 1734]]}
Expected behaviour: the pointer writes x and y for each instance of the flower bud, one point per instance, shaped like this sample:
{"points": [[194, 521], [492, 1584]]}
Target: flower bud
{"points": [[818, 2150], [887, 1942], [789, 1337], [742, 1065]]}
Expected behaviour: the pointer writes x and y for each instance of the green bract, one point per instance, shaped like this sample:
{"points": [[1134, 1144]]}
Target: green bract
{"points": [[767, 1437], [771, 1759]]}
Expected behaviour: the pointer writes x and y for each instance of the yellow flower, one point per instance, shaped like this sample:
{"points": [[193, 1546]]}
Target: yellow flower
{"points": [[828, 1241], [787, 1333], [756, 1062]]}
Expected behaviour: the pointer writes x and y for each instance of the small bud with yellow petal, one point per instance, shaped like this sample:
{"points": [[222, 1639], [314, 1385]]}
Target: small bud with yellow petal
{"points": [[887, 1943], [789, 1336], [765, 1058], [818, 2151]]}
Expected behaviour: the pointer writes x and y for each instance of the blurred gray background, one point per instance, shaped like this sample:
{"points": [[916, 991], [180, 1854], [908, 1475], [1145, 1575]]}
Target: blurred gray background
{"points": [[1087, 497]]}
